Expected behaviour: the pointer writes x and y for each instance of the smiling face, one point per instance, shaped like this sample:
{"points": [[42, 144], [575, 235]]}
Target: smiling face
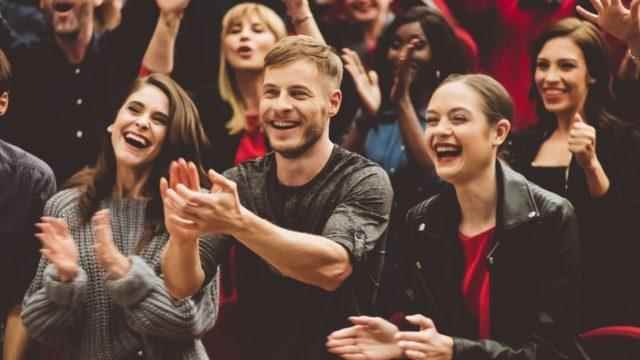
{"points": [[461, 141], [69, 17], [295, 107], [561, 76], [246, 42], [364, 11], [403, 36], [140, 128]]}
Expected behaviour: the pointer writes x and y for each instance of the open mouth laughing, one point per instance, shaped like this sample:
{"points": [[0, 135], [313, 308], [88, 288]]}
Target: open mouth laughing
{"points": [[136, 140]]}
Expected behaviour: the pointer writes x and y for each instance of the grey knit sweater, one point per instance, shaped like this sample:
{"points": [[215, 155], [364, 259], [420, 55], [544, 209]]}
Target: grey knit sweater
{"points": [[94, 317]]}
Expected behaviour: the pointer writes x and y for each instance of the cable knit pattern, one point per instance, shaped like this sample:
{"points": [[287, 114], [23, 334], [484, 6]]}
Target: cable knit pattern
{"points": [[94, 317]]}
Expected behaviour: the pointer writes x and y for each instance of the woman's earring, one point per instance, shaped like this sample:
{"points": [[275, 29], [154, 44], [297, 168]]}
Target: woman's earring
{"points": [[592, 81], [109, 129], [437, 74]]}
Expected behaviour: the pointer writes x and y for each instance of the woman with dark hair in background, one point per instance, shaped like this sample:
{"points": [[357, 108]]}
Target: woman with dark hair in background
{"points": [[584, 153], [98, 291], [417, 51]]}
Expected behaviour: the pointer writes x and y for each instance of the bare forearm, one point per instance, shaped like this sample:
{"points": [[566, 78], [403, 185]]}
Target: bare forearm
{"points": [[182, 269], [307, 25], [413, 133], [15, 338], [597, 180], [159, 56], [311, 259]]}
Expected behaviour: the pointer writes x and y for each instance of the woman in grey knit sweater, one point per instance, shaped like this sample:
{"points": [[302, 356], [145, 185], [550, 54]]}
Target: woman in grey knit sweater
{"points": [[98, 292]]}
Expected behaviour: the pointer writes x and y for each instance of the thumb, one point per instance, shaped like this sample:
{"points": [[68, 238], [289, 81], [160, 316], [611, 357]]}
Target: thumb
{"points": [[578, 118], [422, 321], [373, 77]]}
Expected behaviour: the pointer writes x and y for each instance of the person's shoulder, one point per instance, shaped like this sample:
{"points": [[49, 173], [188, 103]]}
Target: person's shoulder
{"points": [[63, 201], [353, 161], [25, 164], [547, 201], [251, 168]]}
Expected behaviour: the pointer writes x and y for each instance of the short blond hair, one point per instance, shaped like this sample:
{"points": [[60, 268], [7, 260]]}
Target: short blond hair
{"points": [[226, 80], [305, 48]]}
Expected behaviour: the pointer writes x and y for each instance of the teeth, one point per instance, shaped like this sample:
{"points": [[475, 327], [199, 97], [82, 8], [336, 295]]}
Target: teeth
{"points": [[442, 148], [137, 138], [282, 124]]}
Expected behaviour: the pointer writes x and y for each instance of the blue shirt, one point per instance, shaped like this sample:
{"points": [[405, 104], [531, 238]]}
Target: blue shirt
{"points": [[384, 143]]}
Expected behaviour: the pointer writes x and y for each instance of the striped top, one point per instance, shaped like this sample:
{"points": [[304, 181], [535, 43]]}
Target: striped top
{"points": [[94, 317]]}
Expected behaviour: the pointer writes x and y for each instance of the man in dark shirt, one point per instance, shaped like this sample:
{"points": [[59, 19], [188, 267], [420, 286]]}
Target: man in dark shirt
{"points": [[306, 217], [26, 183], [68, 87]]}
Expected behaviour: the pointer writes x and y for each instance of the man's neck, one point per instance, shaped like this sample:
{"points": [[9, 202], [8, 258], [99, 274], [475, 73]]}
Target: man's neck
{"points": [[300, 170], [75, 47]]}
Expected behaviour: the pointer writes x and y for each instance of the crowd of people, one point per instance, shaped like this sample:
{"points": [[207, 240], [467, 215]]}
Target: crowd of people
{"points": [[319, 179]]}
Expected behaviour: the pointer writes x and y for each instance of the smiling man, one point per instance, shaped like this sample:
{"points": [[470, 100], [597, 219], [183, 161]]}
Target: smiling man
{"points": [[307, 216], [67, 88]]}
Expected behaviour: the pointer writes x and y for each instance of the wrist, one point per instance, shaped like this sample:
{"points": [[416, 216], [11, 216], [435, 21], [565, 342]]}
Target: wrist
{"points": [[592, 166], [121, 267], [171, 19], [300, 17]]}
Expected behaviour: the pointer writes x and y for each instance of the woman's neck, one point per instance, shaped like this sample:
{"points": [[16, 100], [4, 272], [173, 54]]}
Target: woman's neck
{"points": [[131, 183], [249, 83], [373, 30], [478, 201]]}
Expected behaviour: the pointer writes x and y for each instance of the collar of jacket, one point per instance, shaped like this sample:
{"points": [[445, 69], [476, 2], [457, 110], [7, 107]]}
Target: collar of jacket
{"points": [[515, 203]]}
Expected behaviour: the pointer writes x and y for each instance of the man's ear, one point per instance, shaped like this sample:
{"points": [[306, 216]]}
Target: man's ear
{"points": [[4, 102], [335, 100], [502, 127]]}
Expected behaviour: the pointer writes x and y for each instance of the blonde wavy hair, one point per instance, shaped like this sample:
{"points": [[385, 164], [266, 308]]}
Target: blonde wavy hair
{"points": [[226, 79]]}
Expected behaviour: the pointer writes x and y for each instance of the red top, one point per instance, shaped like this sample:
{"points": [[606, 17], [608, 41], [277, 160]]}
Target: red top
{"points": [[252, 144], [475, 284]]}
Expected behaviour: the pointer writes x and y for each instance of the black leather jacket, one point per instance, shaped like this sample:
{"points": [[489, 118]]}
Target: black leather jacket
{"points": [[533, 264]]}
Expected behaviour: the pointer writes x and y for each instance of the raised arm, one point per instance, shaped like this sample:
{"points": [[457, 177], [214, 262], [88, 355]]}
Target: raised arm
{"points": [[149, 308], [302, 19], [320, 260], [410, 128], [53, 303], [159, 56]]}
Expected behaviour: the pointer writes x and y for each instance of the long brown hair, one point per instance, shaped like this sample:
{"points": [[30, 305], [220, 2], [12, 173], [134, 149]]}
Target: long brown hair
{"points": [[185, 139], [593, 46]]}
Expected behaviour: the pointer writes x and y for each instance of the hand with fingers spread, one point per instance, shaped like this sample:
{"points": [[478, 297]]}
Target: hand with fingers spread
{"points": [[613, 17], [177, 226], [58, 247], [108, 256], [427, 343], [582, 143], [371, 338], [218, 212], [366, 82], [405, 72]]}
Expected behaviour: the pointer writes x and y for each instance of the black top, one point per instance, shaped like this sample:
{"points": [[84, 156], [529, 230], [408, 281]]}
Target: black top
{"points": [[552, 178], [607, 225], [26, 183], [60, 111], [347, 202]]}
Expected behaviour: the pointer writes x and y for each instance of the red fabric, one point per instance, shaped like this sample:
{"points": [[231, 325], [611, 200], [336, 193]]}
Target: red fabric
{"points": [[476, 282], [630, 332], [144, 71], [252, 144]]}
